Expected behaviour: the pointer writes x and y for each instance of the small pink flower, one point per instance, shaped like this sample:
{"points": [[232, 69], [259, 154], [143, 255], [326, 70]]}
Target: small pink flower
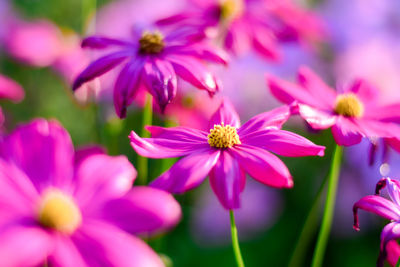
{"points": [[245, 24], [64, 208], [226, 153], [153, 61], [387, 209], [11, 90], [352, 114]]}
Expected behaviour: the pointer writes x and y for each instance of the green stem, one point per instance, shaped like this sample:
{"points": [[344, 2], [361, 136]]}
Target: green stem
{"points": [[398, 263], [308, 230], [329, 208], [88, 12], [235, 241], [147, 120]]}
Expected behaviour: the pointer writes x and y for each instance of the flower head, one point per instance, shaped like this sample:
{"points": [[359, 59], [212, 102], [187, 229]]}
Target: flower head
{"points": [[74, 208], [226, 153], [153, 59], [352, 114], [388, 209]]}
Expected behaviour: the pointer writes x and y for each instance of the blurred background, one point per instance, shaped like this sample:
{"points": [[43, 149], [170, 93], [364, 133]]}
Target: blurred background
{"points": [[40, 51]]}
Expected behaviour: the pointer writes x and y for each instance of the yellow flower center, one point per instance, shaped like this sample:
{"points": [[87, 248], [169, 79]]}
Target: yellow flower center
{"points": [[231, 9], [223, 136], [59, 211], [151, 43], [349, 105]]}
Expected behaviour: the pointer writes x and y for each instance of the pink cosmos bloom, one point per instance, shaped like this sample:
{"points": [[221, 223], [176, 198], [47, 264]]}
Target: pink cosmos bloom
{"points": [[245, 24], [64, 208], [354, 113], [11, 90], [385, 208], [226, 153], [153, 61]]}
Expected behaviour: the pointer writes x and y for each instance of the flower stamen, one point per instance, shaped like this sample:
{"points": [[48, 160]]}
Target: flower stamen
{"points": [[59, 211], [223, 136], [231, 9], [349, 105], [151, 43]]}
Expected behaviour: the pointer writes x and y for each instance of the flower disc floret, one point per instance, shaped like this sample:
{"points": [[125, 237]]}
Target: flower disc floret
{"points": [[223, 136], [58, 211], [349, 105], [151, 43], [231, 9]]}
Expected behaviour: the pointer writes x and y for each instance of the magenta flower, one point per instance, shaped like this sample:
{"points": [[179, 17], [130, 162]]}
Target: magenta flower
{"points": [[153, 62], [354, 113], [226, 153], [245, 24], [11, 90], [385, 208], [64, 208]]}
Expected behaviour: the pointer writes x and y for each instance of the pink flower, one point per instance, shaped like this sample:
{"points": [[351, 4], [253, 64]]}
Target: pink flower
{"points": [[354, 113], [385, 208], [67, 208], [11, 90], [153, 62], [226, 153], [245, 24]]}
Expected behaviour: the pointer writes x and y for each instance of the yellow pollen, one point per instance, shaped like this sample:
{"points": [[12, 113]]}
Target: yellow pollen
{"points": [[151, 43], [349, 105], [223, 136], [59, 211], [231, 9]]}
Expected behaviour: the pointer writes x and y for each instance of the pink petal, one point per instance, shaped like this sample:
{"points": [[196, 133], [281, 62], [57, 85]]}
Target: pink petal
{"points": [[86, 151], [102, 177], [374, 128], [367, 93], [237, 38], [43, 150], [393, 143], [99, 42], [225, 114], [316, 118], [188, 172], [202, 51], [164, 148], [65, 253], [393, 252], [378, 205], [283, 143], [181, 133], [102, 244], [227, 180], [346, 132], [389, 113], [24, 246], [264, 42], [271, 119], [9, 89], [263, 166], [389, 232], [143, 210]]}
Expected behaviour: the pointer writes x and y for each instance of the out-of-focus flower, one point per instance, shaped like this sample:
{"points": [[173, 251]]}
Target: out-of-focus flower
{"points": [[154, 61], [354, 113], [11, 90], [226, 153], [385, 208], [64, 212], [393, 252], [245, 24]]}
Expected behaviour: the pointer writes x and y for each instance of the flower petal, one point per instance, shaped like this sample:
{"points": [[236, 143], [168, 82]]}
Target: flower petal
{"points": [[102, 244], [346, 132], [127, 85], [102, 177], [265, 43], [237, 38], [160, 80], [393, 252], [143, 210], [225, 114], [43, 150], [378, 205], [283, 143], [99, 67], [317, 119], [65, 253], [374, 128], [9, 89], [227, 180], [100, 42], [389, 232], [263, 166], [188, 172], [271, 119], [202, 51], [24, 246], [164, 148], [193, 71], [180, 133]]}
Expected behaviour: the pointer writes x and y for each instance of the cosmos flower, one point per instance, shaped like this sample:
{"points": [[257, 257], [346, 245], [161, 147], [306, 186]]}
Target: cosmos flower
{"points": [[11, 90], [385, 208], [245, 24], [352, 114], [226, 153], [64, 208], [153, 61]]}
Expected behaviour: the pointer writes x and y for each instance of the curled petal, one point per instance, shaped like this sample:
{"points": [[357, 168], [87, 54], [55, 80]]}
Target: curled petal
{"points": [[317, 119], [99, 42], [378, 205], [188, 172], [346, 132], [143, 210], [225, 114], [393, 188]]}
